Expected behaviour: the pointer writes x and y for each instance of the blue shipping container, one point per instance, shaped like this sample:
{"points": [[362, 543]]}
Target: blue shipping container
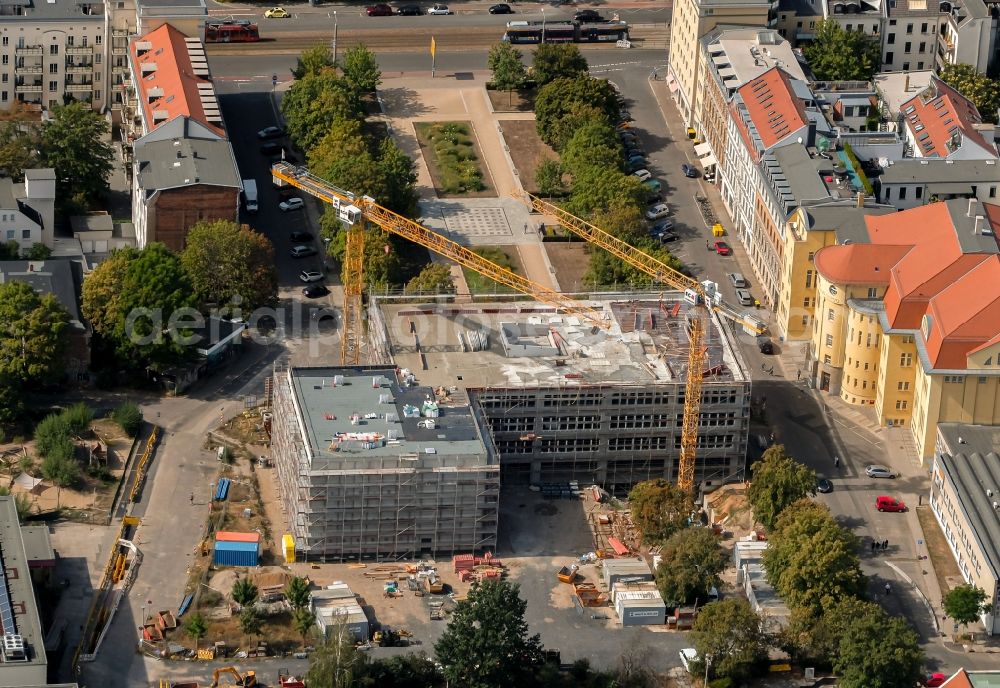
{"points": [[236, 553]]}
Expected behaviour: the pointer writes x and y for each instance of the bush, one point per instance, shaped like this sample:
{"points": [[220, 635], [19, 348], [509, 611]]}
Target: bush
{"points": [[60, 466], [52, 430], [725, 682], [78, 418], [129, 417]]}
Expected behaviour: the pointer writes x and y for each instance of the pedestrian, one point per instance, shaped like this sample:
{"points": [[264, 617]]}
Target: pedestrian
{"points": [[888, 588], [836, 462], [798, 374], [885, 545], [192, 497], [873, 546], [763, 366], [708, 244]]}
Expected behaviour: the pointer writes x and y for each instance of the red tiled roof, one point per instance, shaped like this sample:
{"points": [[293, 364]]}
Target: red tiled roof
{"points": [[939, 114], [859, 263], [964, 315], [959, 679], [168, 87], [772, 105]]}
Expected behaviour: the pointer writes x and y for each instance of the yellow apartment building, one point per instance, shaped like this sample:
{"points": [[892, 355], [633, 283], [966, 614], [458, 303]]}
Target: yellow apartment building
{"points": [[904, 321]]}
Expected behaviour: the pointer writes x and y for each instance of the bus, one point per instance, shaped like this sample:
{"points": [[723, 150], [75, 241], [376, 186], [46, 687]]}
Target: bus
{"points": [[231, 31], [565, 32]]}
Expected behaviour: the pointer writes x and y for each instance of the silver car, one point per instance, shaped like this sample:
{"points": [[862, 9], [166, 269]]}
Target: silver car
{"points": [[876, 471]]}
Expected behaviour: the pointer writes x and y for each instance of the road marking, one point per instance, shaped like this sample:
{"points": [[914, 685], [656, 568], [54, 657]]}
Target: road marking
{"points": [[229, 13], [614, 64]]}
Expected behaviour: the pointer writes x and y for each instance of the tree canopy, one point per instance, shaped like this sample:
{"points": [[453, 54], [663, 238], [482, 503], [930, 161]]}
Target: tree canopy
{"points": [[592, 144], [504, 61], [811, 561], [875, 650], [836, 54], [778, 480], [659, 509], [965, 603], [983, 91], [73, 143], [435, 278], [692, 562], [314, 103], [573, 99], [730, 636], [313, 61], [361, 69], [230, 266], [486, 643], [551, 61], [18, 148]]}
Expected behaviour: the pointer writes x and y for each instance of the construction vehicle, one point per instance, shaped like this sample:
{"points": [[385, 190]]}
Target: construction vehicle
{"points": [[286, 680], [355, 210], [247, 680]]}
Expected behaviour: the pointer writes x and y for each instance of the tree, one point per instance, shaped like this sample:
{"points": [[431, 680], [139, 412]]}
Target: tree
{"points": [[730, 636], [49, 432], [303, 621], [509, 73], [659, 509], [102, 290], [230, 266], [778, 480], [965, 603], [78, 418], [342, 157], [486, 643], [548, 178], [811, 561], [983, 91], [10, 250], [315, 103], [404, 671], [33, 340], [553, 61], [592, 144], [196, 628], [297, 593], [602, 188], [435, 278], [18, 149], [73, 143], [836, 54], [129, 417], [692, 562], [399, 178], [244, 592], [580, 97], [313, 61], [60, 465], [251, 621], [38, 252], [336, 663], [875, 650], [361, 69]]}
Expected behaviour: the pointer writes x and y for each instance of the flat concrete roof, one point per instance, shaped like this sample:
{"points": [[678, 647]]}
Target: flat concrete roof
{"points": [[896, 88], [743, 54], [369, 412], [530, 344], [18, 610]]}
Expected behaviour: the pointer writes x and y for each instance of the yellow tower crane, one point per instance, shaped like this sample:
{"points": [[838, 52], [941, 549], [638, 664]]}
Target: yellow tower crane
{"points": [[355, 210], [694, 292]]}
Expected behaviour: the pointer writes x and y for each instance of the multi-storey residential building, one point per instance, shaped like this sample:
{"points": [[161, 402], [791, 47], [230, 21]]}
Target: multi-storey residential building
{"points": [[910, 36], [965, 500], [797, 19], [691, 20], [939, 122], [27, 211], [971, 35], [913, 182], [810, 228], [908, 322], [730, 57]]}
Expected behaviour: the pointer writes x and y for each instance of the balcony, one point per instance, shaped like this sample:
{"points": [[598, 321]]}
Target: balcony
{"points": [[119, 69], [119, 50], [79, 69], [28, 88], [23, 70], [35, 51], [79, 88], [119, 33], [79, 50]]}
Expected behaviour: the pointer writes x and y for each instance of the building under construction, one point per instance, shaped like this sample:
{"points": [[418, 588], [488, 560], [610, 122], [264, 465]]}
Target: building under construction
{"points": [[568, 401], [372, 465]]}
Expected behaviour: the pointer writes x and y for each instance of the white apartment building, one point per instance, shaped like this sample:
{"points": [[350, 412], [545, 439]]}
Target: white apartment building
{"points": [[971, 35], [910, 36]]}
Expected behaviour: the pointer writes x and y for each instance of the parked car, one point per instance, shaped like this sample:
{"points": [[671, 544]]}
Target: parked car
{"points": [[935, 680], [744, 297], [886, 503], [277, 13], [738, 280], [270, 133], [300, 237], [824, 485], [722, 248], [876, 471], [653, 185], [689, 171], [635, 164], [588, 17], [302, 251], [502, 8], [643, 175], [314, 291], [439, 9], [666, 237], [658, 211], [291, 204], [409, 10], [271, 148], [311, 276], [661, 227], [765, 345], [379, 10], [625, 115]]}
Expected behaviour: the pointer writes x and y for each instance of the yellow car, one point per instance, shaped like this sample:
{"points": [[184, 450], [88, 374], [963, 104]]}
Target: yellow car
{"points": [[277, 13]]}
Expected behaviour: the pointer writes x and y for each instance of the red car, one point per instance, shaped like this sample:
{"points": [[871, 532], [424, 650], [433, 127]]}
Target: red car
{"points": [[722, 248], [936, 679], [885, 503], [380, 10]]}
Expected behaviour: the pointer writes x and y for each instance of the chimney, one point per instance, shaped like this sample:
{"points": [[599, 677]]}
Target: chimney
{"points": [[906, 84], [861, 200], [975, 228], [972, 202]]}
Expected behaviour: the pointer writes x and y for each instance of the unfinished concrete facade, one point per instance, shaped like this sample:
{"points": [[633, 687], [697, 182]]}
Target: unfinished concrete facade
{"points": [[372, 466], [567, 401]]}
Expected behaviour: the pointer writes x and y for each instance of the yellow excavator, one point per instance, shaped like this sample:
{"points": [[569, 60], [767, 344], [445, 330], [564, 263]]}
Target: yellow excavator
{"points": [[249, 680]]}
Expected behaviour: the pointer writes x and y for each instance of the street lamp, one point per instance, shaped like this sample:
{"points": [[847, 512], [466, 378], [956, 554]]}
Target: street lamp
{"points": [[708, 663], [543, 25], [334, 37]]}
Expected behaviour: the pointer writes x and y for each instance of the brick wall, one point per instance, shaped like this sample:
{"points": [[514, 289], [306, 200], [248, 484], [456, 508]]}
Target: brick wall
{"points": [[177, 209]]}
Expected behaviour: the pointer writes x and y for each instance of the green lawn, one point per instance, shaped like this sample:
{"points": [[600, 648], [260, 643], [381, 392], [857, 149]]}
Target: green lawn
{"points": [[454, 162], [479, 284]]}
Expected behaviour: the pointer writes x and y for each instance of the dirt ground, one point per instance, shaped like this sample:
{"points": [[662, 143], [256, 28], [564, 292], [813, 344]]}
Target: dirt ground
{"points": [[526, 150], [517, 101], [91, 496], [570, 261], [945, 569], [430, 158]]}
